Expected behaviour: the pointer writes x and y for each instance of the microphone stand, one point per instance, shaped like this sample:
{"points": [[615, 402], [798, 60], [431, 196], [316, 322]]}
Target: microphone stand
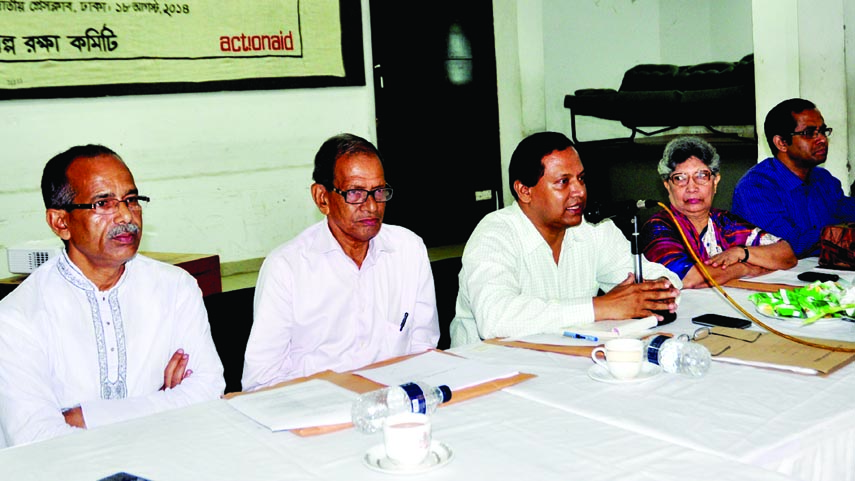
{"points": [[667, 316], [636, 252]]}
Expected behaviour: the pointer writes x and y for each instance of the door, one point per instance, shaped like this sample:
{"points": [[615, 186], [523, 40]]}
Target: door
{"points": [[437, 114]]}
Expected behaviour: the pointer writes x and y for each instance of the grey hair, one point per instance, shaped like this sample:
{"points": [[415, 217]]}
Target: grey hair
{"points": [[680, 149]]}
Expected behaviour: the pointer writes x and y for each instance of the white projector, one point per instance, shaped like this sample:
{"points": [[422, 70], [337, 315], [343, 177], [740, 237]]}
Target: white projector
{"points": [[27, 257]]}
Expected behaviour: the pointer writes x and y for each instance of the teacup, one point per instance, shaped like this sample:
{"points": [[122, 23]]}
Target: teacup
{"points": [[407, 438], [622, 357]]}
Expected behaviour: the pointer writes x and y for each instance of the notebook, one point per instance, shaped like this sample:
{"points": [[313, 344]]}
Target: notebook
{"points": [[613, 329]]}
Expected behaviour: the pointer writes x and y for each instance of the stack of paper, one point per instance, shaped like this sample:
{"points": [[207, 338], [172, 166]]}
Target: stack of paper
{"points": [[320, 403], [437, 369], [306, 404]]}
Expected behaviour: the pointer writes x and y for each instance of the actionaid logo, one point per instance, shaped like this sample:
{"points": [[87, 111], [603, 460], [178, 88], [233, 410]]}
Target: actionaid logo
{"points": [[256, 43]]}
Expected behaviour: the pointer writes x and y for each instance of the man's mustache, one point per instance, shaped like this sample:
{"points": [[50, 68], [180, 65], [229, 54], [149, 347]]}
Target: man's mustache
{"points": [[129, 228]]}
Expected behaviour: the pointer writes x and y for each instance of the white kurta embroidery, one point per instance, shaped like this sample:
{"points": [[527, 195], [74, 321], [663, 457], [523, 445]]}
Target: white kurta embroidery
{"points": [[109, 331], [63, 344]]}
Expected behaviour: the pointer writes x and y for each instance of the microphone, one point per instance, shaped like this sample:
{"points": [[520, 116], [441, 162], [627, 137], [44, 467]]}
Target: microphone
{"points": [[596, 212]]}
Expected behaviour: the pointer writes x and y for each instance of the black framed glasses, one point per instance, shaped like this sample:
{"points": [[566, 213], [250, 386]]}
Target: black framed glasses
{"points": [[359, 196], [812, 132], [702, 177], [134, 203]]}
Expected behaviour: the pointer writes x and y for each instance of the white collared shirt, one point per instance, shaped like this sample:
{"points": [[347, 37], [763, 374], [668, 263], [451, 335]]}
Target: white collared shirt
{"points": [[64, 343], [316, 310], [510, 284]]}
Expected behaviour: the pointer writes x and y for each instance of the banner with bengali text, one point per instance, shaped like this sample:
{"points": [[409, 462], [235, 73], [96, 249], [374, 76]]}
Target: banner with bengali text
{"points": [[46, 44]]}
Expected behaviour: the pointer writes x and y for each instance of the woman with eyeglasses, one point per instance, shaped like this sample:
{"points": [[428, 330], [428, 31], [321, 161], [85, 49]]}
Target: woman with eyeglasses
{"points": [[729, 246]]}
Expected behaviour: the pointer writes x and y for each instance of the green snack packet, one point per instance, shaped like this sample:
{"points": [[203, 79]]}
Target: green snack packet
{"points": [[818, 299], [788, 310]]}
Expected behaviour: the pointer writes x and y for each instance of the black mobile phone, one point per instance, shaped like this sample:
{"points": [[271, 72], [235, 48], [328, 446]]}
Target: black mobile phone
{"points": [[818, 276], [712, 320]]}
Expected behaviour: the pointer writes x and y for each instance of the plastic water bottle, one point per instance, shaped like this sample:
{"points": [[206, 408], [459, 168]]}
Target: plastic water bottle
{"points": [[372, 408], [678, 355]]}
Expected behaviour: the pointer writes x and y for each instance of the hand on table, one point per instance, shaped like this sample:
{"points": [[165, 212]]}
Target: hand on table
{"points": [[176, 370], [633, 300], [731, 256], [74, 417]]}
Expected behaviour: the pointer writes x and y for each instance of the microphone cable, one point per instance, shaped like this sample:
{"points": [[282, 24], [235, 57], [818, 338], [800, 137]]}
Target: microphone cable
{"points": [[735, 304]]}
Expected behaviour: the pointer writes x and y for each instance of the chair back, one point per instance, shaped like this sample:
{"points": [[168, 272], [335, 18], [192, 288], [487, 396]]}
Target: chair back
{"points": [[230, 316], [446, 284]]}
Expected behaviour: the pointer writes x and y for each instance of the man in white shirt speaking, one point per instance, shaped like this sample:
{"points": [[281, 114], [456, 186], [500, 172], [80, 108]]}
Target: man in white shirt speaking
{"points": [[100, 334], [347, 291], [536, 266]]}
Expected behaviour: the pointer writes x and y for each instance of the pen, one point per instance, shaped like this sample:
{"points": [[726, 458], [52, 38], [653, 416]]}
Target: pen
{"points": [[586, 337], [404, 321]]}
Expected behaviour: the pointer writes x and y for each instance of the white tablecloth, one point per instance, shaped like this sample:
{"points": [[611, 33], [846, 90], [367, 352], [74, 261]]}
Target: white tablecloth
{"points": [[735, 423], [799, 425], [496, 437]]}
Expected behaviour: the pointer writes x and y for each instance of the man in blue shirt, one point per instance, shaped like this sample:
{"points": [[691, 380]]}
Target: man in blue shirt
{"points": [[788, 194]]}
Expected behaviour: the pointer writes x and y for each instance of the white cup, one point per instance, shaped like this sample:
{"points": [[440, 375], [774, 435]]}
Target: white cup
{"points": [[623, 357], [407, 438]]}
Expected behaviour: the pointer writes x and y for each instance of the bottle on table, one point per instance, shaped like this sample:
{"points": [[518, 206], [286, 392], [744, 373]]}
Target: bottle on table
{"points": [[372, 408], [678, 355]]}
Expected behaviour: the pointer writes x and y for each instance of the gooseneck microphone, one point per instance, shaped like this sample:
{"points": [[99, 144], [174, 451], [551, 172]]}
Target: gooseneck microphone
{"points": [[596, 212]]}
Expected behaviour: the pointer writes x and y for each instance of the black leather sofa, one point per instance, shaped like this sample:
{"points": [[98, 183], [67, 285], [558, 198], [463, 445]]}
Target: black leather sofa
{"points": [[670, 96]]}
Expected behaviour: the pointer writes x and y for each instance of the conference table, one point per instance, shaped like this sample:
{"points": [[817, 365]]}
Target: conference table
{"points": [[737, 422]]}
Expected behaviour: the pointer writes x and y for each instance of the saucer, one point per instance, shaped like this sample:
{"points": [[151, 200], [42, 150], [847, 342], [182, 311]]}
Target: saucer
{"points": [[440, 455], [648, 371]]}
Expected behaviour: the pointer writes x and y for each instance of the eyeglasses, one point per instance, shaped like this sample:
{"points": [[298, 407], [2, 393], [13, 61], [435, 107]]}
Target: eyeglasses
{"points": [[700, 333], [702, 177], [359, 196], [811, 132], [134, 203]]}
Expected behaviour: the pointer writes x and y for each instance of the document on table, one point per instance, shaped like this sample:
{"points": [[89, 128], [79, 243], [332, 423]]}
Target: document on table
{"points": [[302, 405], [767, 350], [593, 334], [436, 369], [554, 340]]}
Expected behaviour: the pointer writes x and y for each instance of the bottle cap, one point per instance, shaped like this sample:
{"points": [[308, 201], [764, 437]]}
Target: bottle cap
{"points": [[446, 393]]}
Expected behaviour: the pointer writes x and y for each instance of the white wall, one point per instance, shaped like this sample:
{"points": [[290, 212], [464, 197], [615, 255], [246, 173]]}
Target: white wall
{"points": [[799, 52], [822, 73], [704, 31], [730, 29], [685, 31], [849, 73], [514, 37], [590, 44], [228, 172]]}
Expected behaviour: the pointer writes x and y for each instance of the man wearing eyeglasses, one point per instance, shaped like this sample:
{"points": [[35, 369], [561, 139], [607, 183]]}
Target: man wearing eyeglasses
{"points": [[349, 290], [788, 194], [100, 334]]}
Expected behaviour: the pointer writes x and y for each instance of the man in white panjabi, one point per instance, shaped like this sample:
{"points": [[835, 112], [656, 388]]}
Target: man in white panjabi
{"points": [[99, 334]]}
